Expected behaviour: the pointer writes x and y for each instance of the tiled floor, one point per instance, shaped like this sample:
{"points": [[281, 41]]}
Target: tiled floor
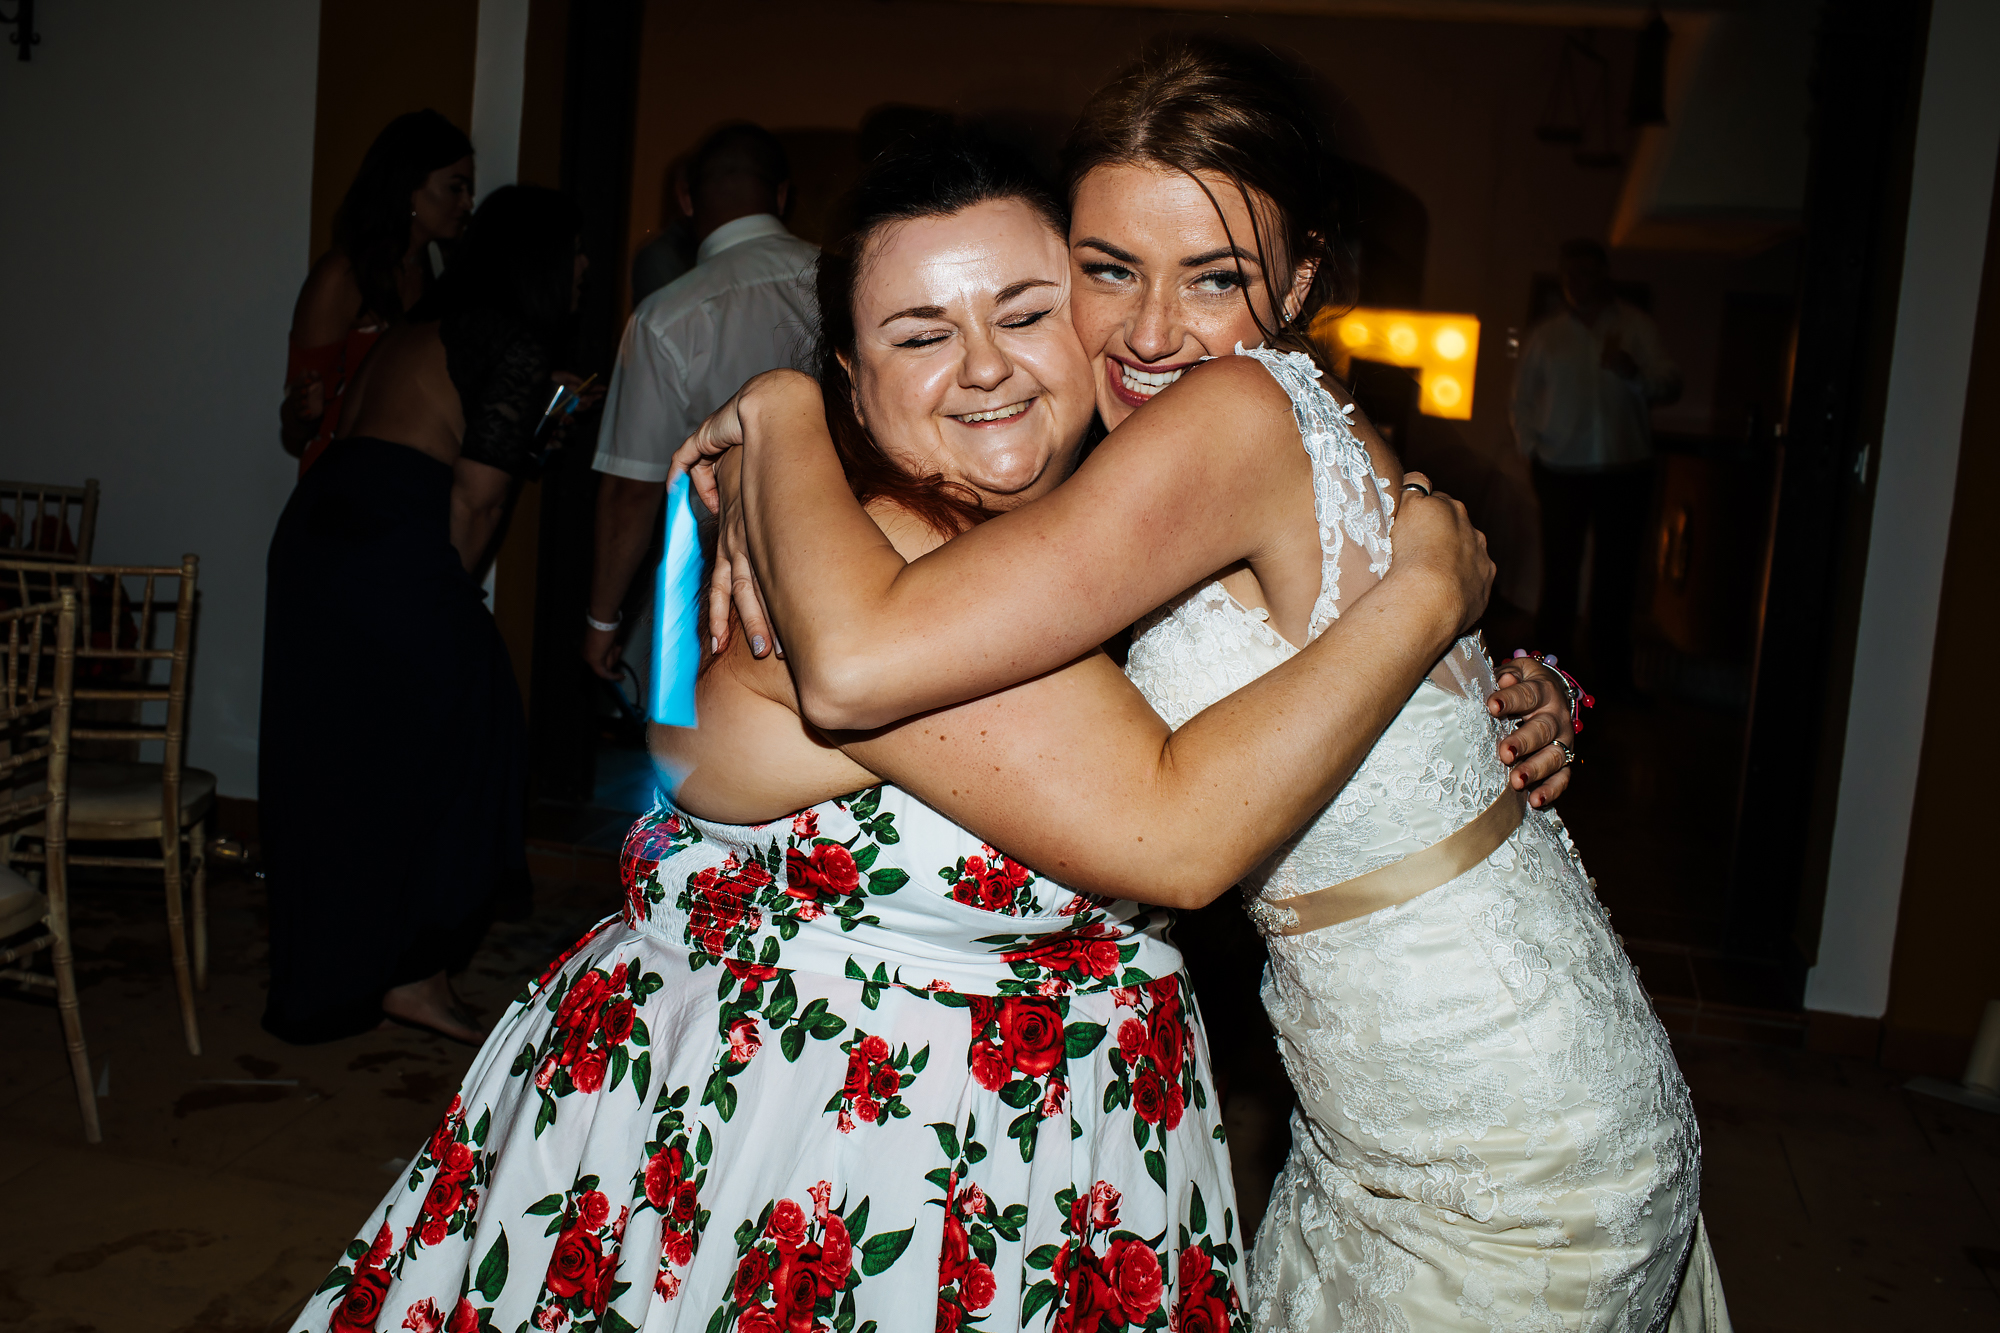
{"points": [[228, 1182]]}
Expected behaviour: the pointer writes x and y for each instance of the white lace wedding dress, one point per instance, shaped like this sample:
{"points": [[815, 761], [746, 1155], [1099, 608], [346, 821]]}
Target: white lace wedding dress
{"points": [[1492, 1132]]}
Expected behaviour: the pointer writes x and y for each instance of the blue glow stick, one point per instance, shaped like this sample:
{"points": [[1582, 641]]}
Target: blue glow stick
{"points": [[676, 623]]}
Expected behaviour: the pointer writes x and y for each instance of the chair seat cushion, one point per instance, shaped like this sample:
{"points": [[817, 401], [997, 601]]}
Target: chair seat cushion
{"points": [[102, 792], [21, 903]]}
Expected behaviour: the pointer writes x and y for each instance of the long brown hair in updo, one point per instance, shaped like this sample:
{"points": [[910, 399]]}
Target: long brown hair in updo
{"points": [[930, 176], [1198, 105]]}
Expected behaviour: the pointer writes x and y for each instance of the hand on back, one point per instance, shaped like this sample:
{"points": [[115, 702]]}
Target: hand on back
{"points": [[1435, 539], [732, 579]]}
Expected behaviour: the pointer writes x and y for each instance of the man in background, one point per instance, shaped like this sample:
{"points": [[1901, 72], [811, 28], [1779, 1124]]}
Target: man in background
{"points": [[671, 251], [1589, 378], [746, 307]]}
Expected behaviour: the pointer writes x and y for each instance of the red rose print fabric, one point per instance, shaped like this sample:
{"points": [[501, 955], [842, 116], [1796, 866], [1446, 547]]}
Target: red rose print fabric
{"points": [[852, 1072]]}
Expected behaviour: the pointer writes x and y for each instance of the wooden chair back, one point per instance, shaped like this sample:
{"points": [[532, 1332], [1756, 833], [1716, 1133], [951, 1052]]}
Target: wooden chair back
{"points": [[55, 524], [37, 683], [37, 677], [121, 654], [120, 644]]}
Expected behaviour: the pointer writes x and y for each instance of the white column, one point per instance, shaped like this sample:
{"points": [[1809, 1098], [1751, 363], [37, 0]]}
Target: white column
{"points": [[1944, 248], [498, 72]]}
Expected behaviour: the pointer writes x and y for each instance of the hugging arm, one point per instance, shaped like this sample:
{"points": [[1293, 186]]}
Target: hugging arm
{"points": [[1076, 776], [869, 641], [1162, 504], [478, 503]]}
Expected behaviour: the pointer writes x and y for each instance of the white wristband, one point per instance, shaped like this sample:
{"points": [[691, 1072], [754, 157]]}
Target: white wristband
{"points": [[600, 626]]}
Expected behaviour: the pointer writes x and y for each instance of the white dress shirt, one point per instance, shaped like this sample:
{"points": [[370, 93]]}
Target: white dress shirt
{"points": [[744, 308], [1573, 413]]}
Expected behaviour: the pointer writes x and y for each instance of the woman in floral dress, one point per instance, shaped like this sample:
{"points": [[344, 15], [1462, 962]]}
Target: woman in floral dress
{"points": [[851, 1068]]}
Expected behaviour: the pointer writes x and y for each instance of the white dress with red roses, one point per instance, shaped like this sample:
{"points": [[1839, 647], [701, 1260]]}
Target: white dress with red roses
{"points": [[1492, 1133], [854, 1073]]}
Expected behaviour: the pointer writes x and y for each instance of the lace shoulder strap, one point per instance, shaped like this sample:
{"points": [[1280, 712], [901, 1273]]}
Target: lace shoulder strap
{"points": [[1350, 501]]}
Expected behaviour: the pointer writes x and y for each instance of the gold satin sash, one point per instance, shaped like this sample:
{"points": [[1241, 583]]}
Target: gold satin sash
{"points": [[1419, 872]]}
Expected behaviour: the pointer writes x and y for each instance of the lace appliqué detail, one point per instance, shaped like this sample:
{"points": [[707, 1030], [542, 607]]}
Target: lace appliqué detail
{"points": [[1343, 476]]}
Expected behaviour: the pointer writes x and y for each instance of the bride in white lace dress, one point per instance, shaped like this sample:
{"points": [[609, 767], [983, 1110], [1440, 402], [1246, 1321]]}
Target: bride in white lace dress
{"points": [[1492, 1132]]}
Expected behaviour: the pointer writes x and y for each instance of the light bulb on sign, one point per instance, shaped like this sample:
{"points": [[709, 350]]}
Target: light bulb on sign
{"points": [[1442, 347]]}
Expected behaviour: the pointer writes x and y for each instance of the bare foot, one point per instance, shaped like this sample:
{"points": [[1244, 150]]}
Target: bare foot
{"points": [[428, 1004]]}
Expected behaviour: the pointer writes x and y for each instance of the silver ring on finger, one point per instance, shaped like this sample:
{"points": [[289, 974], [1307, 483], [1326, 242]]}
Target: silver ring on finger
{"points": [[1417, 486], [1569, 755]]}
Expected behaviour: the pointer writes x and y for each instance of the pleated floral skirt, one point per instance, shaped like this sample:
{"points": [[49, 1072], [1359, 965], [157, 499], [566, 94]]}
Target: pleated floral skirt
{"points": [[852, 1072]]}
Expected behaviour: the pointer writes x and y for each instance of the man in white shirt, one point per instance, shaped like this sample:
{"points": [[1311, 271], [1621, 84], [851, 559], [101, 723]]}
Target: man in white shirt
{"points": [[1589, 378], [746, 307]]}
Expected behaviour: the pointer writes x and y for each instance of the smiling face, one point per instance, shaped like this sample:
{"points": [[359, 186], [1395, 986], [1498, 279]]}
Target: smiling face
{"points": [[965, 361], [1160, 283], [440, 206]]}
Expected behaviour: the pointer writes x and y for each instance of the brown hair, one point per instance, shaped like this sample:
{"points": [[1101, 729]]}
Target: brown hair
{"points": [[932, 175], [1200, 105]]}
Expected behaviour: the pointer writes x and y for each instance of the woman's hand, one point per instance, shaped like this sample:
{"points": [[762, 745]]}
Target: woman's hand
{"points": [[1435, 538], [723, 430], [714, 471], [300, 414], [589, 393], [732, 580], [1537, 764], [588, 396]]}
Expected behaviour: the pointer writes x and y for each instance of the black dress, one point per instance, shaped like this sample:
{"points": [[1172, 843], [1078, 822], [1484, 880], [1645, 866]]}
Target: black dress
{"points": [[392, 752]]}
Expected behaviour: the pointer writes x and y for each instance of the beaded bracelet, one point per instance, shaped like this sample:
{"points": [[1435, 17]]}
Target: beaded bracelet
{"points": [[1579, 698]]}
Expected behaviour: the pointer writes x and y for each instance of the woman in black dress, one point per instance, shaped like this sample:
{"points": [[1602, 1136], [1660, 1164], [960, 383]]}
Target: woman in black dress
{"points": [[391, 759]]}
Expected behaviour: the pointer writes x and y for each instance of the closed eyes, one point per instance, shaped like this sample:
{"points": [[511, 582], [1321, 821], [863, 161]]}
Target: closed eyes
{"points": [[934, 337]]}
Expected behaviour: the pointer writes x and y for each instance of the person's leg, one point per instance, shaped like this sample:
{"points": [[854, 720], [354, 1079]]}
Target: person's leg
{"points": [[1620, 507], [1565, 516], [429, 1003]]}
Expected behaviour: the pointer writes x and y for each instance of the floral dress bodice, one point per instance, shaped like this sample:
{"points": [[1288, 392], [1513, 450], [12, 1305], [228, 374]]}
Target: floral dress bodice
{"points": [[1433, 769], [879, 881]]}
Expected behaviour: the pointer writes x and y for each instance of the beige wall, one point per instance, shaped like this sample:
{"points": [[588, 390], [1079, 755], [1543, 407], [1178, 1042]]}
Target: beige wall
{"points": [[378, 59], [1944, 970], [153, 235]]}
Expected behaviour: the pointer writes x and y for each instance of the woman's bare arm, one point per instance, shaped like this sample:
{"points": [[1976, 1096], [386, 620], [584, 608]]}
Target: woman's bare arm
{"points": [[1072, 773], [478, 501], [1188, 486], [1076, 776]]}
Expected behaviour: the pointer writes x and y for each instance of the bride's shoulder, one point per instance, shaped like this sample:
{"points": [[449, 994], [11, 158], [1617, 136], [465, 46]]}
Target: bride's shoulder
{"points": [[1241, 384], [1235, 401]]}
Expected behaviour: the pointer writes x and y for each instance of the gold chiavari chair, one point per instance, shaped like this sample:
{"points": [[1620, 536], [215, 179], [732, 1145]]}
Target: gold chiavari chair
{"points": [[48, 523], [164, 803], [37, 680]]}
